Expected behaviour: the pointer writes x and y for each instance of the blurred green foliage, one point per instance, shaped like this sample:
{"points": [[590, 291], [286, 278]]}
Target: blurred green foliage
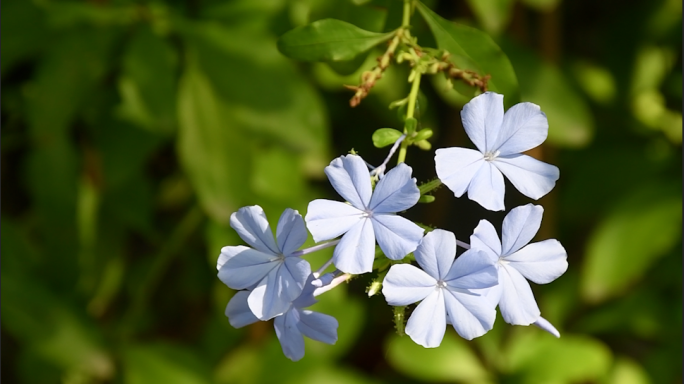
{"points": [[133, 129]]}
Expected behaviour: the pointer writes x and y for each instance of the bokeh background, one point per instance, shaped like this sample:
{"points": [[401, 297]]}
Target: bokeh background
{"points": [[131, 130]]}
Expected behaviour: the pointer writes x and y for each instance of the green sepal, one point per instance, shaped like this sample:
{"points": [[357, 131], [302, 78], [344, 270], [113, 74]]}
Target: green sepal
{"points": [[426, 199]]}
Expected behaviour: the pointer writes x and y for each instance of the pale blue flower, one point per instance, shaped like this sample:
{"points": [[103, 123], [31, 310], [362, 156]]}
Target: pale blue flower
{"points": [[445, 288], [369, 216], [273, 271], [291, 326], [516, 260], [500, 139]]}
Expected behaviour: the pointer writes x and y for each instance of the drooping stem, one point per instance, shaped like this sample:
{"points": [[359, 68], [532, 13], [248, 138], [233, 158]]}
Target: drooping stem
{"points": [[430, 186], [410, 111]]}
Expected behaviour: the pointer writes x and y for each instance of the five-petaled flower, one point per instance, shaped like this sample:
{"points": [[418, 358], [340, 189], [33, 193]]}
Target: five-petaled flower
{"points": [[272, 271], [445, 288], [516, 260], [369, 216], [500, 139], [292, 325]]}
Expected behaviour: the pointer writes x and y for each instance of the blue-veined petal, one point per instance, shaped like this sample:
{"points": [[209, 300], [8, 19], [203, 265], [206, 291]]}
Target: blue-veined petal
{"points": [[482, 118], [396, 236], [524, 127], [472, 316], [228, 253], [356, 250], [517, 304], [317, 326], [456, 167], [519, 227], [472, 270], [274, 294], [306, 298], [485, 238], [395, 192], [541, 262], [427, 323], [247, 268], [405, 284], [291, 339], [350, 177], [328, 219], [533, 178], [487, 187], [493, 294], [238, 312], [252, 226], [291, 232], [436, 253]]}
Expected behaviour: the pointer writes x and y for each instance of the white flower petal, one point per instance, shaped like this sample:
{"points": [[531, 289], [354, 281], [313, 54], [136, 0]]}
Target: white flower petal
{"points": [[541, 262], [356, 250], [547, 326], [328, 219], [396, 236], [291, 232], [395, 192], [436, 253], [482, 118], [485, 238], [275, 293], [456, 167], [472, 270], [524, 127], [519, 227], [472, 316], [517, 304], [350, 177], [487, 188], [291, 339], [405, 284], [247, 268], [238, 312], [318, 326], [427, 323], [252, 226], [228, 253], [533, 178], [493, 294]]}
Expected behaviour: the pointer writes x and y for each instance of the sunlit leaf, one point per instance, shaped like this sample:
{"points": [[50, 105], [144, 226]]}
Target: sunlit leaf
{"points": [[474, 50], [642, 227], [453, 360], [385, 136], [328, 40]]}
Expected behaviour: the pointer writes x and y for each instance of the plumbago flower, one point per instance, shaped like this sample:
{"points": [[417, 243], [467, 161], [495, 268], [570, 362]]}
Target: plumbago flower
{"points": [[272, 270], [292, 325], [445, 288], [369, 216], [517, 260], [500, 139]]}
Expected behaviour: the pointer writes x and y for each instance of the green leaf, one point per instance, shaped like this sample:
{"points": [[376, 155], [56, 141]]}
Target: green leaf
{"points": [[644, 226], [162, 363], [385, 136], [452, 361], [329, 40], [148, 82], [474, 50], [493, 15], [571, 123], [537, 357], [210, 146]]}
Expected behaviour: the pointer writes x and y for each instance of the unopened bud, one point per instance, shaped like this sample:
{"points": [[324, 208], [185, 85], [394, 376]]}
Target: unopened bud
{"points": [[374, 288]]}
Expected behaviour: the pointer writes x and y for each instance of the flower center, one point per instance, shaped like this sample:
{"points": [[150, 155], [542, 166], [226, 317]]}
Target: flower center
{"points": [[441, 284], [367, 213], [489, 156]]}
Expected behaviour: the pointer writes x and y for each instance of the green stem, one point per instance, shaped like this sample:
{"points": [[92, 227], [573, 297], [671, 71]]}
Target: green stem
{"points": [[429, 186], [413, 96], [406, 20]]}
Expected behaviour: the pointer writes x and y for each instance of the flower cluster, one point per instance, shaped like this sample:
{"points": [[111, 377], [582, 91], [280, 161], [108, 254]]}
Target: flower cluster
{"points": [[275, 282]]}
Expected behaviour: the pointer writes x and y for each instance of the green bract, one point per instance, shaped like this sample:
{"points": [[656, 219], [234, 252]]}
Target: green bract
{"points": [[328, 40], [385, 136]]}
